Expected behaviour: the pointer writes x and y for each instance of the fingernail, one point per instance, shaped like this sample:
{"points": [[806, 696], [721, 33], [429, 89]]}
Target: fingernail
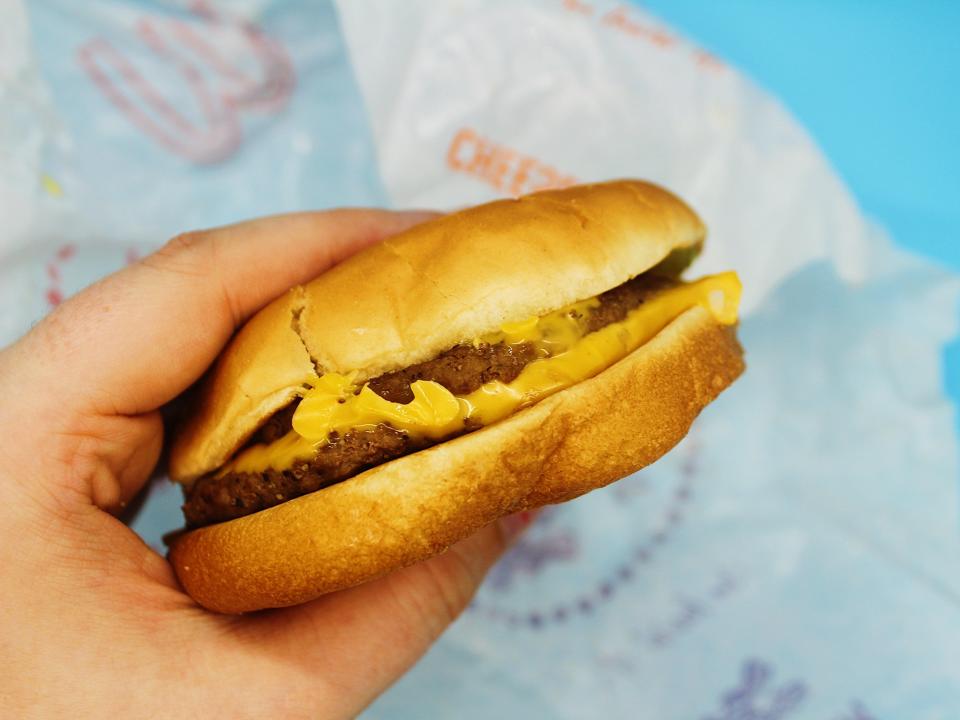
{"points": [[513, 525]]}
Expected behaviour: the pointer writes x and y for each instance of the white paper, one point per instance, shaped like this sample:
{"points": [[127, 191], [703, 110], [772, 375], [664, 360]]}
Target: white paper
{"points": [[797, 555]]}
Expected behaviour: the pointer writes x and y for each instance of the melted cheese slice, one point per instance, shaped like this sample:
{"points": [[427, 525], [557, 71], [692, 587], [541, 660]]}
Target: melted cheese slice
{"points": [[567, 353]]}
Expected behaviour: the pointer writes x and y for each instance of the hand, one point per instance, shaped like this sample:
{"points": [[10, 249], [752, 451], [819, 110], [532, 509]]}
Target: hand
{"points": [[92, 621]]}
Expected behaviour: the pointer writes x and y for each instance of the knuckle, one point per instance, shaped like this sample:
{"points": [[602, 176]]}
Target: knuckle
{"points": [[197, 257], [442, 588], [183, 242], [184, 254], [455, 583], [454, 598]]}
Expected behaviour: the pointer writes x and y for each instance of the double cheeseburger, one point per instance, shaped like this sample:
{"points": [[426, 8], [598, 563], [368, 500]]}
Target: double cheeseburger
{"points": [[507, 356]]}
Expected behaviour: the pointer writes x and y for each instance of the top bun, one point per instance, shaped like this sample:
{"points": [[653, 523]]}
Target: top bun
{"points": [[416, 294]]}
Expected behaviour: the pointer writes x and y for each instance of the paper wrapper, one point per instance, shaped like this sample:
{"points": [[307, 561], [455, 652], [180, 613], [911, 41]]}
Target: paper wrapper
{"points": [[795, 557]]}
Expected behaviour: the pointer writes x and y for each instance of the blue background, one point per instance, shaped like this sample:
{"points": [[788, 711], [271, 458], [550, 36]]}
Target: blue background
{"points": [[877, 84]]}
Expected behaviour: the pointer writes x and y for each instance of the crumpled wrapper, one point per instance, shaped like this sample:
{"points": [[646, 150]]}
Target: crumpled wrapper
{"points": [[795, 557]]}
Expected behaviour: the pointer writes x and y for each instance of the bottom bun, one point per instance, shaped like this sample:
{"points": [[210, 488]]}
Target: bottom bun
{"points": [[415, 507]]}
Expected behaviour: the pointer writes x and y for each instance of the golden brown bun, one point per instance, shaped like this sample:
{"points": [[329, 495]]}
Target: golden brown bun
{"points": [[414, 507], [261, 371], [409, 298]]}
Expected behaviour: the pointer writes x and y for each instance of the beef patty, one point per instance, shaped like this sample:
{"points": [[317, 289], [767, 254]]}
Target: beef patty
{"points": [[461, 369]]}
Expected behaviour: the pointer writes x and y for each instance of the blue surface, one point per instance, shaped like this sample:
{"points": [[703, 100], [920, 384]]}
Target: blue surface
{"points": [[876, 85]]}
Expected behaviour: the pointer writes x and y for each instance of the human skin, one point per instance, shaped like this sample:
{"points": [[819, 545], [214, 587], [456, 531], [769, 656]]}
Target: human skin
{"points": [[92, 621]]}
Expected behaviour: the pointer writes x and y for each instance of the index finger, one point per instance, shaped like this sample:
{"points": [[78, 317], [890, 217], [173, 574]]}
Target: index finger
{"points": [[139, 337]]}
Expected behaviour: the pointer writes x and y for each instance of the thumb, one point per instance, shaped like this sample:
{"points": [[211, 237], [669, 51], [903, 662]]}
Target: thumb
{"points": [[385, 626]]}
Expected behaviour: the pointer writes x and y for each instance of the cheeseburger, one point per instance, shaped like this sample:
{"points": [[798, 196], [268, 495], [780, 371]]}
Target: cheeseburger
{"points": [[514, 354]]}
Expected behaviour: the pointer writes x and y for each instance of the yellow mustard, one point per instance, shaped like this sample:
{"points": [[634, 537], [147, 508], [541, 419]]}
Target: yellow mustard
{"points": [[568, 355]]}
